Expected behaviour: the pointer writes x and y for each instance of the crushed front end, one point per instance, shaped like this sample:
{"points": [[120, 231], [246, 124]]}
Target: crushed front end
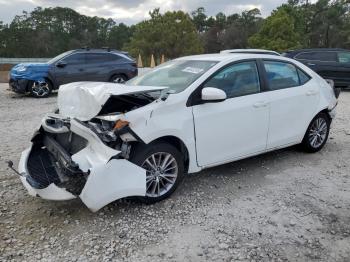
{"points": [[70, 158]]}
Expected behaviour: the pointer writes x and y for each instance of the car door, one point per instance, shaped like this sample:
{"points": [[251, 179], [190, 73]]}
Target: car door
{"points": [[96, 68], [344, 68], [70, 69], [236, 127], [323, 63], [293, 102]]}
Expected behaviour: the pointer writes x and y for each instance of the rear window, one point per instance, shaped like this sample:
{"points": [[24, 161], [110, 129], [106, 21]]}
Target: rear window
{"points": [[317, 56], [303, 77], [344, 57], [282, 75]]}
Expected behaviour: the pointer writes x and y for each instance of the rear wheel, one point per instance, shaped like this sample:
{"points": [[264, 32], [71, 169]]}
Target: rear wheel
{"points": [[119, 79], [40, 89], [317, 133], [164, 169]]}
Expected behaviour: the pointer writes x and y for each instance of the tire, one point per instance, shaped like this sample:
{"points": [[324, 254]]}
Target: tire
{"points": [[119, 79], [40, 89], [317, 133], [167, 181]]}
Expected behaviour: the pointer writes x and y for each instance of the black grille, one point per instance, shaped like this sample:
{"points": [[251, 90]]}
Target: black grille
{"points": [[41, 169]]}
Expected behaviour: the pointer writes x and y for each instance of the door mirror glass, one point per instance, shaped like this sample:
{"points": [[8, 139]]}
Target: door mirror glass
{"points": [[212, 94], [61, 64]]}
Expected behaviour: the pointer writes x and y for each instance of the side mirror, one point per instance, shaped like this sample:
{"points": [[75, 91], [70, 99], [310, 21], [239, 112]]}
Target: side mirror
{"points": [[61, 64], [212, 94]]}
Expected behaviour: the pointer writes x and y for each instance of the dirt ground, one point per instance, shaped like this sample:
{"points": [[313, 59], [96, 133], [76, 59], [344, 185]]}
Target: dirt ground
{"points": [[281, 206]]}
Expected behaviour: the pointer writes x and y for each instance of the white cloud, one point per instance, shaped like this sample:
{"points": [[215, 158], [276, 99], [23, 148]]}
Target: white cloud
{"points": [[133, 11]]}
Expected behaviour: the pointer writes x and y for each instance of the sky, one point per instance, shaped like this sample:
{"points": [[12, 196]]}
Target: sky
{"points": [[133, 11]]}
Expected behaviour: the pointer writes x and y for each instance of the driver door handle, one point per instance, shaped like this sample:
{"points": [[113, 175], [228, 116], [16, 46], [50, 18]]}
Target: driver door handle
{"points": [[260, 104]]}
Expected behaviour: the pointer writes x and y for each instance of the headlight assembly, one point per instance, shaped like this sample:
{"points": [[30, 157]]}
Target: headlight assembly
{"points": [[21, 68]]}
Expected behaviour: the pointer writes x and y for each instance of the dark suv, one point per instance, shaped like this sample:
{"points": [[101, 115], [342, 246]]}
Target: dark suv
{"points": [[85, 64], [330, 63]]}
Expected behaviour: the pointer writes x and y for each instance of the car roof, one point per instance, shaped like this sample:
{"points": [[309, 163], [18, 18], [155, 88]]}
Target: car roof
{"points": [[249, 50], [99, 50], [219, 57], [316, 50]]}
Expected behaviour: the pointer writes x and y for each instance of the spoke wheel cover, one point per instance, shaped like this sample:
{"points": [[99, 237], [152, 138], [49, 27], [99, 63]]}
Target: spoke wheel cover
{"points": [[40, 89], [118, 80], [318, 132], [161, 173]]}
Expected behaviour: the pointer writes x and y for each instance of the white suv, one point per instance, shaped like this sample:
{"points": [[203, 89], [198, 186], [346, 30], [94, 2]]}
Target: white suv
{"points": [[110, 141]]}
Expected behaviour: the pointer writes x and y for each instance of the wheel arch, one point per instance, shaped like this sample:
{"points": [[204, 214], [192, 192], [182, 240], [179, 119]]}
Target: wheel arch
{"points": [[179, 145], [47, 78], [326, 111], [116, 73]]}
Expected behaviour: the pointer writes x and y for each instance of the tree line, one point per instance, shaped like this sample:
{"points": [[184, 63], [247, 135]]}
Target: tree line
{"points": [[47, 32]]}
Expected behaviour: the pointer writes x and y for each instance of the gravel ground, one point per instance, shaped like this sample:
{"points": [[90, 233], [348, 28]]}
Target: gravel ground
{"points": [[281, 206]]}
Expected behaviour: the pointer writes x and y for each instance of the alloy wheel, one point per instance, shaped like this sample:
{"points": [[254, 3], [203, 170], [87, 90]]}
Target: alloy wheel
{"points": [[118, 80], [40, 89], [161, 173], [318, 132]]}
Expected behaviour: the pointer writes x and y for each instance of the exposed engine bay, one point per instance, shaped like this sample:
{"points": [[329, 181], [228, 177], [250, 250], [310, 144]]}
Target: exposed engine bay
{"points": [[70, 153]]}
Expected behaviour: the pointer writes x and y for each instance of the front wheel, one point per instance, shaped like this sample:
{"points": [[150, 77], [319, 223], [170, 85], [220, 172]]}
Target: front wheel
{"points": [[40, 89], [164, 169], [119, 79], [317, 133]]}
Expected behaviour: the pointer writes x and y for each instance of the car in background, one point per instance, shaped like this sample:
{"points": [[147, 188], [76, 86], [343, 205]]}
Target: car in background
{"points": [[111, 141], [329, 63], [249, 51], [101, 65]]}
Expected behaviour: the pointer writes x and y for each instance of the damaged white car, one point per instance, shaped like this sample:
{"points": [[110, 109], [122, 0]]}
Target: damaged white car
{"points": [[111, 141]]}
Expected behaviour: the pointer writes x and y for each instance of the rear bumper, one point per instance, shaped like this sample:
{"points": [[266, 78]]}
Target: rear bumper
{"points": [[97, 180], [18, 85], [333, 111]]}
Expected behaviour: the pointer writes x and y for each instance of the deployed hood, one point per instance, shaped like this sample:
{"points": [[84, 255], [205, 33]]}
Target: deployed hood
{"points": [[84, 100]]}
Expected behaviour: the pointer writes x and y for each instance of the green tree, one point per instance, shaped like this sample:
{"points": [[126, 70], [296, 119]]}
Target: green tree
{"points": [[50, 31], [240, 27], [119, 36], [277, 33], [172, 34], [199, 19]]}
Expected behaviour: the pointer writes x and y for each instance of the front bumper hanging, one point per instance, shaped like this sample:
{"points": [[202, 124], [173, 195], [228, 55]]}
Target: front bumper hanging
{"points": [[92, 173], [19, 85]]}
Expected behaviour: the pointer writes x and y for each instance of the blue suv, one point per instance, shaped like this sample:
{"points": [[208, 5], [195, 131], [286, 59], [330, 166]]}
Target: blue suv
{"points": [[102, 65]]}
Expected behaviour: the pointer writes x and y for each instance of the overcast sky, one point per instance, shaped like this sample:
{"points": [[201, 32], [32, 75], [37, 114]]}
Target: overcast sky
{"points": [[133, 11]]}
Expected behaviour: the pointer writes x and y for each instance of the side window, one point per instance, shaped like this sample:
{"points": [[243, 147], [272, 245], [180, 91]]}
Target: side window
{"points": [[303, 78], [305, 56], [237, 80], [344, 57], [112, 57], [281, 75], [326, 56], [74, 59], [95, 58]]}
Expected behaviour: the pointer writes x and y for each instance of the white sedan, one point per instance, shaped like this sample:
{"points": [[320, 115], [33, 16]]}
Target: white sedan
{"points": [[110, 141]]}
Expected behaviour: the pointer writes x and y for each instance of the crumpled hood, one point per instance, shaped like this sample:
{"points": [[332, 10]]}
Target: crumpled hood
{"points": [[33, 71], [32, 66], [84, 100]]}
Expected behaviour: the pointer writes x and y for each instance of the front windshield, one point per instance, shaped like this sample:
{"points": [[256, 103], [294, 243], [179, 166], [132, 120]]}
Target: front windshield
{"points": [[56, 58], [176, 74]]}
